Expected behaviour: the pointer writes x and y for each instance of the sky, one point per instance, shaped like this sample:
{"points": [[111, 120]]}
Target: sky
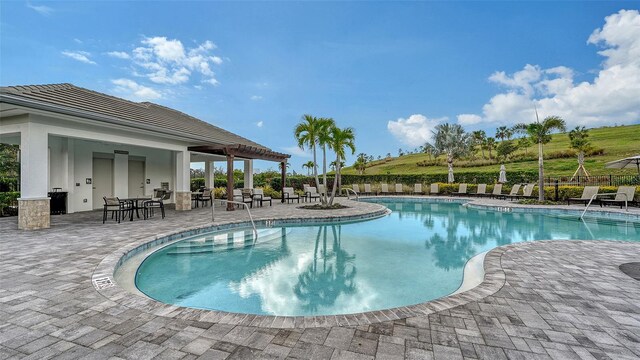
{"points": [[390, 70]]}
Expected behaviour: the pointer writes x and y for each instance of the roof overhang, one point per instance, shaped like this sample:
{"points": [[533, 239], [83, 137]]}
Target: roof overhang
{"points": [[248, 152]]}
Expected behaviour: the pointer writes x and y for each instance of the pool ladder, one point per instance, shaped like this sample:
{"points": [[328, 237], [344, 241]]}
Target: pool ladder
{"points": [[255, 232], [626, 205], [346, 190]]}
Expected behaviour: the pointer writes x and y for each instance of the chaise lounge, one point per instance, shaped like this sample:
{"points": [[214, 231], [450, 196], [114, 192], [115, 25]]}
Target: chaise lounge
{"points": [[587, 193]]}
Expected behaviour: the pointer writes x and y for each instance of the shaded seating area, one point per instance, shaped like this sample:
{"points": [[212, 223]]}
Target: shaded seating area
{"points": [[587, 193]]}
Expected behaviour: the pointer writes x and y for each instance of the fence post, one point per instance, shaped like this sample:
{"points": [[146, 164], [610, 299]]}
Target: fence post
{"points": [[610, 178], [556, 198]]}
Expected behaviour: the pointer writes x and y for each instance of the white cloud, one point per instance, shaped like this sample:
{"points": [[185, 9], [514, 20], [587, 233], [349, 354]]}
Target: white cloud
{"points": [[415, 130], [256, 97], [612, 96], [119, 54], [168, 61], [259, 124], [134, 91], [40, 9], [81, 56], [296, 151], [77, 41]]}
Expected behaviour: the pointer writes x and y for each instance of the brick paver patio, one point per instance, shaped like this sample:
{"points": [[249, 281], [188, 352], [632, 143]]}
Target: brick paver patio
{"points": [[555, 300]]}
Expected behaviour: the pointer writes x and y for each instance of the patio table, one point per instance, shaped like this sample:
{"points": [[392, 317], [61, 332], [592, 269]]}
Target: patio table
{"points": [[134, 202]]}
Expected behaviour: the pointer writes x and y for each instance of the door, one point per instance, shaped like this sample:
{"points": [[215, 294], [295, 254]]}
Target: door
{"points": [[136, 178], [102, 181]]}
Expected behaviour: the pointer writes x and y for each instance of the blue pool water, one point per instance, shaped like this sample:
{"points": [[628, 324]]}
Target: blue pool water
{"points": [[415, 254]]}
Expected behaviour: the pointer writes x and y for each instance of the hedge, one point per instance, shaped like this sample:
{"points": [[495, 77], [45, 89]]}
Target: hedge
{"points": [[197, 183], [488, 177]]}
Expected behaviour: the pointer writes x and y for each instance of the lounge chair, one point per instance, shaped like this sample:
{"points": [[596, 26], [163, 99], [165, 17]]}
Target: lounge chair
{"points": [[625, 194], [356, 188], [497, 191], [462, 190], [384, 189], [312, 193], [399, 189], [482, 190], [259, 198], [587, 194], [417, 189], [243, 197], [289, 195], [434, 189], [205, 197], [367, 189], [515, 189], [527, 193]]}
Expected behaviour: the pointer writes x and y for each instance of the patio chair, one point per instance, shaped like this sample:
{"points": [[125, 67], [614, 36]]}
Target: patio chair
{"points": [[515, 189], [258, 197], [116, 207], [497, 191], [462, 190], [156, 202], [289, 194], [312, 193], [417, 189], [356, 188], [399, 189], [322, 190], [624, 194], [587, 193], [205, 197], [367, 189], [384, 189], [434, 189], [481, 191], [527, 193]]}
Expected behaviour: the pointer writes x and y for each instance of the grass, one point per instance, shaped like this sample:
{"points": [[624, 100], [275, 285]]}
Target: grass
{"points": [[618, 142]]}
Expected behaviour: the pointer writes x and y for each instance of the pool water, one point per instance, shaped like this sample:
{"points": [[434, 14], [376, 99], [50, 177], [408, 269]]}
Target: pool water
{"points": [[415, 254]]}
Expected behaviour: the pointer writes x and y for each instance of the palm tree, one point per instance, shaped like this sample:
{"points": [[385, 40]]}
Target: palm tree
{"points": [[501, 133], [340, 139], [307, 134], [309, 165], [540, 133], [479, 137], [579, 141], [429, 149], [490, 144], [324, 137], [450, 139]]}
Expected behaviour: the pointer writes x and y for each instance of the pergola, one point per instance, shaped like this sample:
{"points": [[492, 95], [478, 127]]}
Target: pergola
{"points": [[247, 152]]}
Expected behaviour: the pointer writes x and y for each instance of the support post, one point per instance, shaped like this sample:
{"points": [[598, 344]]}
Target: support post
{"points": [[248, 174], [33, 204], [283, 177], [230, 206], [209, 174], [183, 180]]}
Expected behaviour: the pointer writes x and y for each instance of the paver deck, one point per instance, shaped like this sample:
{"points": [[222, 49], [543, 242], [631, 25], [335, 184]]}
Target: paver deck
{"points": [[558, 300]]}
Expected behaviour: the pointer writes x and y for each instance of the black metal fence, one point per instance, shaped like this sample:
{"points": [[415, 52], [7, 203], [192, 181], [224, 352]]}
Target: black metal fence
{"points": [[601, 180]]}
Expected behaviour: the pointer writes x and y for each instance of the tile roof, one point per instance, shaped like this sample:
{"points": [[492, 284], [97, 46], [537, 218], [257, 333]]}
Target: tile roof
{"points": [[144, 113]]}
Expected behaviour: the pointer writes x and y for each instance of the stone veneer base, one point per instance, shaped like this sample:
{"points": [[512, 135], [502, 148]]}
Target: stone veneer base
{"points": [[183, 200], [34, 214]]}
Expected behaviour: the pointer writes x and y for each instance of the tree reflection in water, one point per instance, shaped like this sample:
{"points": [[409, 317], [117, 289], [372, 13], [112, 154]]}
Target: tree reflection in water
{"points": [[321, 287]]}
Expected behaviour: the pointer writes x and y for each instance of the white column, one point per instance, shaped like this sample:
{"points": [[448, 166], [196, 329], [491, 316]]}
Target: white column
{"points": [[208, 174], [71, 188], [248, 174], [34, 164], [121, 175], [183, 177]]}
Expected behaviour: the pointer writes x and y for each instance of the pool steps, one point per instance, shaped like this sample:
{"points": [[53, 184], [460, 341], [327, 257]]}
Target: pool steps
{"points": [[226, 241]]}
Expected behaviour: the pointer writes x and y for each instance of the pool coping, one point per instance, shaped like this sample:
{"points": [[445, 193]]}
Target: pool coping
{"points": [[102, 279]]}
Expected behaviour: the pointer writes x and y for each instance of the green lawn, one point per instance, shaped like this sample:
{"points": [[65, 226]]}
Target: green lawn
{"points": [[617, 142]]}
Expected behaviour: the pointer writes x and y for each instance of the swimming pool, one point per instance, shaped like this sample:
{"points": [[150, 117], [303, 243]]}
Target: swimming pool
{"points": [[415, 254]]}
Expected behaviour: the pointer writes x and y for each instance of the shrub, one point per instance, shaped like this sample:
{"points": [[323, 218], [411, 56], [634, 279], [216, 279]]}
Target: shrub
{"points": [[8, 203]]}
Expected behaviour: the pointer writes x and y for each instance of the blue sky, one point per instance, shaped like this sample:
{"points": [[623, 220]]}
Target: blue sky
{"points": [[391, 70]]}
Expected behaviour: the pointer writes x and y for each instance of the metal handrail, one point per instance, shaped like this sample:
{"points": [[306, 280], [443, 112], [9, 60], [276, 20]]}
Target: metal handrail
{"points": [[255, 231], [626, 200], [353, 191]]}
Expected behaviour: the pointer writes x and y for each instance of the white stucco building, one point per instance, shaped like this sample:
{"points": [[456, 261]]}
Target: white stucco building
{"points": [[92, 145]]}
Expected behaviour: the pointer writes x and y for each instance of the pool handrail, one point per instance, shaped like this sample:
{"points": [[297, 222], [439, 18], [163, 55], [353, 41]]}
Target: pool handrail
{"points": [[626, 201], [255, 231], [346, 190]]}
